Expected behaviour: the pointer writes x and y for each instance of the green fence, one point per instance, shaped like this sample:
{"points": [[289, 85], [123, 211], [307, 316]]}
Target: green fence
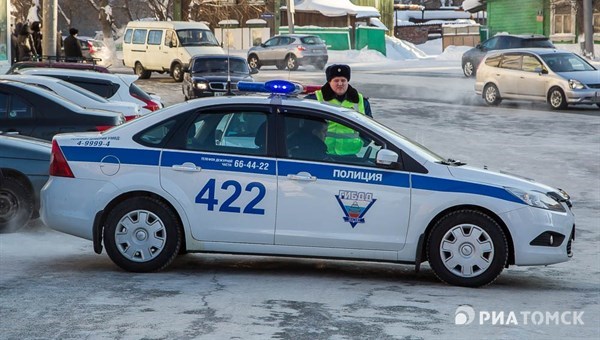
{"points": [[372, 38], [335, 38]]}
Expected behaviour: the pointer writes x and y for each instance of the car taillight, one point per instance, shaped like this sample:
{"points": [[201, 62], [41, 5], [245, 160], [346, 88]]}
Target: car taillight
{"points": [[128, 118], [103, 127], [58, 163], [91, 47], [150, 105], [301, 48]]}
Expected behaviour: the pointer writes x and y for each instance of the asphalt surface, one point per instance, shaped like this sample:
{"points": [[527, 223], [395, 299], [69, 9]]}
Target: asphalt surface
{"points": [[53, 286]]}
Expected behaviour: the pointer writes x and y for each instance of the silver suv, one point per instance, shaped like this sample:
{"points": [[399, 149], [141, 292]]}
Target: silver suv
{"points": [[289, 51]]}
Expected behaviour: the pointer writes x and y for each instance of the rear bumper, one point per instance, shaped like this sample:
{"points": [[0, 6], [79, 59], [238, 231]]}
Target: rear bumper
{"points": [[311, 60]]}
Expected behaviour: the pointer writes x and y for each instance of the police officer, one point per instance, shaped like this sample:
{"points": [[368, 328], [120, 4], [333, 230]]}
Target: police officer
{"points": [[342, 140]]}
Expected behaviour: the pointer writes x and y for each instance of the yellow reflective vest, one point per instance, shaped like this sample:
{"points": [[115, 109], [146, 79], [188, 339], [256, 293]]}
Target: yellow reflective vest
{"points": [[342, 140]]}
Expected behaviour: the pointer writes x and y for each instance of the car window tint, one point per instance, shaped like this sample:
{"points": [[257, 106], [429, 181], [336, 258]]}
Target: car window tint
{"points": [[137, 92], [170, 38], [19, 109], [490, 44], [309, 138], [503, 43], [156, 135], [3, 105], [538, 43], [531, 64], [511, 62], [235, 132], [154, 37], [312, 40], [103, 89], [139, 37], [127, 37], [493, 61], [272, 42]]}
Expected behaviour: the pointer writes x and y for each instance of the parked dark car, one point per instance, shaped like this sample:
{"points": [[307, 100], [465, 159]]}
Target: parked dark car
{"points": [[14, 69], [289, 51], [24, 163], [207, 75], [473, 57], [33, 111]]}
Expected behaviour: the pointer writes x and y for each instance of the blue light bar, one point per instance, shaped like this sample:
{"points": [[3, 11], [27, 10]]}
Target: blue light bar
{"points": [[271, 86]]}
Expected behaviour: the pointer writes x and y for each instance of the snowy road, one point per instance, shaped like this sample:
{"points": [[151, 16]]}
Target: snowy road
{"points": [[54, 286]]}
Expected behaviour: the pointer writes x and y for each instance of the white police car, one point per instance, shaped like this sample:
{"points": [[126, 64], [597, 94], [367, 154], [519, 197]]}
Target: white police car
{"points": [[224, 175]]}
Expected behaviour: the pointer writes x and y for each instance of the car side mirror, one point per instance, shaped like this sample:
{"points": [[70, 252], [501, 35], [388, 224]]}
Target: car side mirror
{"points": [[478, 46], [386, 157], [186, 69], [172, 44], [263, 45], [544, 71], [253, 70]]}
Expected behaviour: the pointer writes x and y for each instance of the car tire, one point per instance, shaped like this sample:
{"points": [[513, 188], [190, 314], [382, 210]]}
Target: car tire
{"points": [[469, 69], [177, 72], [491, 95], [16, 204], [142, 234], [141, 72], [557, 99], [467, 248], [598, 105], [254, 62], [280, 65], [291, 62], [320, 65]]}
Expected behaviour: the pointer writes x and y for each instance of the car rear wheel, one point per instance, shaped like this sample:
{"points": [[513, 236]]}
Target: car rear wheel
{"points": [[467, 248], [141, 72], [469, 69], [320, 65], [177, 72], [142, 234], [557, 99], [16, 204], [291, 62], [280, 65], [253, 62], [491, 95]]}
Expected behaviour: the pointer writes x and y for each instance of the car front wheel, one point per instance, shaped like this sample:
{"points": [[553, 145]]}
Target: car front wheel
{"points": [[491, 95], [16, 204], [467, 248], [469, 69], [142, 234], [557, 99]]}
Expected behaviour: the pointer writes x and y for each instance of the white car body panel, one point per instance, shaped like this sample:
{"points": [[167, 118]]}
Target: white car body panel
{"points": [[301, 218]]}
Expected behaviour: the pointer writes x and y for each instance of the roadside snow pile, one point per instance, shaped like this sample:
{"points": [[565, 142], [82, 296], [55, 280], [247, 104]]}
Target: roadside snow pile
{"points": [[453, 52], [401, 50]]}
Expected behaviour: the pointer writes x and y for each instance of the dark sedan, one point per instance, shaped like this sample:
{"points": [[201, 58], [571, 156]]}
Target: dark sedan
{"points": [[24, 163], [33, 111], [207, 76]]}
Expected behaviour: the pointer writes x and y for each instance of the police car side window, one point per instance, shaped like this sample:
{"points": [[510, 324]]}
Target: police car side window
{"points": [[239, 132], [156, 135], [317, 139]]}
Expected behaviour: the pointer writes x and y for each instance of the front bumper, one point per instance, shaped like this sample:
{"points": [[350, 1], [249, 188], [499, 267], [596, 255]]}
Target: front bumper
{"points": [[585, 96], [531, 229]]}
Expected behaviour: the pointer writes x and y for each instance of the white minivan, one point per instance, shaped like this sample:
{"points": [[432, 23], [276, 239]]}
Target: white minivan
{"points": [[166, 46]]}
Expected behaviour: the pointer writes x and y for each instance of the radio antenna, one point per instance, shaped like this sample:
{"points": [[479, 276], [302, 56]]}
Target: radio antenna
{"points": [[229, 93]]}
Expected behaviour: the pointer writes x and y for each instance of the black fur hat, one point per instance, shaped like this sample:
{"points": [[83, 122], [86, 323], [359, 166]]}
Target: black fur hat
{"points": [[337, 70], [73, 31]]}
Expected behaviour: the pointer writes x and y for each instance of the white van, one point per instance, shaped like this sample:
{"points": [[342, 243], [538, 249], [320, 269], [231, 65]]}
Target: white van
{"points": [[166, 46]]}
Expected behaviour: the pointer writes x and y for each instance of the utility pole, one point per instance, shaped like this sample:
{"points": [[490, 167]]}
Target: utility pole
{"points": [[277, 18], [290, 16], [588, 28], [49, 27]]}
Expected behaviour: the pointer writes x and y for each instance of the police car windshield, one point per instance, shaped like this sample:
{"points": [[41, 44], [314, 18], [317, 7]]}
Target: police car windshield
{"points": [[437, 158]]}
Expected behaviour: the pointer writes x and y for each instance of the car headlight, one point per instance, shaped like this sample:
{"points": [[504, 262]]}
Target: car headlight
{"points": [[537, 199], [575, 84], [201, 86]]}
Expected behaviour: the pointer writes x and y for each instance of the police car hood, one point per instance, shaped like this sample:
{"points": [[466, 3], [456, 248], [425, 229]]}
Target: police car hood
{"points": [[503, 179]]}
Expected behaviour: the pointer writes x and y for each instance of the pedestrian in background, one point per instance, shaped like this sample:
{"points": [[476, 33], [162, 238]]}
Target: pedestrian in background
{"points": [[342, 140], [72, 48], [25, 44], [14, 36], [36, 34]]}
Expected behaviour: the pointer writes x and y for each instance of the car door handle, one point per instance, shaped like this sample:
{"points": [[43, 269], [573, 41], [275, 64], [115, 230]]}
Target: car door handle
{"points": [[302, 176], [187, 166]]}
